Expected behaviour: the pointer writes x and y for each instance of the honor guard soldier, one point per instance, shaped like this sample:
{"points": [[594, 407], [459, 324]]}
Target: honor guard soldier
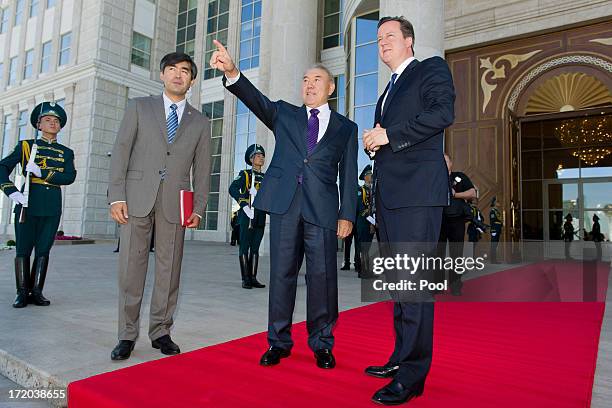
{"points": [[597, 236], [568, 234], [363, 227], [46, 165], [476, 227], [496, 223], [252, 222]]}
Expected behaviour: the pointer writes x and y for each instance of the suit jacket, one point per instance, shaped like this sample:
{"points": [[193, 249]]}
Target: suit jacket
{"points": [[410, 170], [335, 154], [142, 152]]}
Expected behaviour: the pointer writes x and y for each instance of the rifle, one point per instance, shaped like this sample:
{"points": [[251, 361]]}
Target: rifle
{"points": [[31, 159]]}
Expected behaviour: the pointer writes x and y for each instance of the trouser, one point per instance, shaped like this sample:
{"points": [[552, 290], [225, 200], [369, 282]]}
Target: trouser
{"points": [[133, 263], [37, 233], [292, 238], [452, 230], [413, 321]]}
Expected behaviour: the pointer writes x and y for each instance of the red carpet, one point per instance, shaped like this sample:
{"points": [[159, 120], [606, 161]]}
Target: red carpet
{"points": [[486, 355]]}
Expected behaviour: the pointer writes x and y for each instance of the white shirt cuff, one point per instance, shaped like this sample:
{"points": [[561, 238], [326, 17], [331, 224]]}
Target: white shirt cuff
{"points": [[115, 202], [231, 81]]}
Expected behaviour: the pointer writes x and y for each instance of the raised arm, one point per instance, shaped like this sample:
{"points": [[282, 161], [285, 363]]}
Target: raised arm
{"points": [[240, 86]]}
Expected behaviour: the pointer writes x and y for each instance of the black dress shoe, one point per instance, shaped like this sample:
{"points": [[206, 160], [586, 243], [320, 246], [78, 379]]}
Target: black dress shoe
{"points": [[273, 356], [386, 371], [346, 267], [325, 358], [123, 350], [395, 393], [166, 345]]}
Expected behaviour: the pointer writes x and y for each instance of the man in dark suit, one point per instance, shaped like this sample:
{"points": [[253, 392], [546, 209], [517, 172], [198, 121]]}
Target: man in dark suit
{"points": [[411, 188], [313, 146]]}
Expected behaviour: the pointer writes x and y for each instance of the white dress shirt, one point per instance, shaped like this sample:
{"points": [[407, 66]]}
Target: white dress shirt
{"points": [[398, 71], [180, 106], [324, 115]]}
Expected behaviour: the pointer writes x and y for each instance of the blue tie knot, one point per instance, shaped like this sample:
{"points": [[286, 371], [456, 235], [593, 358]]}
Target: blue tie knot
{"points": [[314, 112], [393, 77], [173, 107]]}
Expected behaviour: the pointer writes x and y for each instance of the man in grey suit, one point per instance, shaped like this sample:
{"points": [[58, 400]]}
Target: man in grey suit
{"points": [[160, 140]]}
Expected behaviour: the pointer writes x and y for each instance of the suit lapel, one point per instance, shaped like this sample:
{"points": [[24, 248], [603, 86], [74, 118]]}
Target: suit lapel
{"points": [[398, 84], [302, 125], [332, 128], [377, 112], [187, 117], [159, 111]]}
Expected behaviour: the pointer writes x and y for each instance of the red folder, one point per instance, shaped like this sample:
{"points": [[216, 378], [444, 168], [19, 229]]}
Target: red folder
{"points": [[186, 206]]}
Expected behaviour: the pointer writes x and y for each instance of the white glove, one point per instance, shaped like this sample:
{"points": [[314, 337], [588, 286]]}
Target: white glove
{"points": [[249, 211], [34, 169], [253, 192], [17, 197]]}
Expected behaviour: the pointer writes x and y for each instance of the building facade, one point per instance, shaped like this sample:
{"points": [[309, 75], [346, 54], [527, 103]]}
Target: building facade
{"points": [[514, 64]]}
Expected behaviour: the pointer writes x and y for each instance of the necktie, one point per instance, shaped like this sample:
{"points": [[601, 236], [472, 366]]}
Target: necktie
{"points": [[313, 130], [172, 123], [391, 83]]}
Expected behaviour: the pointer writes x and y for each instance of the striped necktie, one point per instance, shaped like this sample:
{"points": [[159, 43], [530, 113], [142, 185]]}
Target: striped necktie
{"points": [[313, 130], [172, 123]]}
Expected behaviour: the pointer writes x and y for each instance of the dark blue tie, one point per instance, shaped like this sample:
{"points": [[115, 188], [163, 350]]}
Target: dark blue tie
{"points": [[391, 83], [172, 123]]}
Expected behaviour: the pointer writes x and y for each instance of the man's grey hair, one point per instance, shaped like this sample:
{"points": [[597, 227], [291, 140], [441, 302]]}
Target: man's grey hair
{"points": [[322, 67]]}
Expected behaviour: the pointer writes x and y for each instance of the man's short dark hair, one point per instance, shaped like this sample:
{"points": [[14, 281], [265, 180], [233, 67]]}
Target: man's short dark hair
{"points": [[405, 26], [174, 58]]}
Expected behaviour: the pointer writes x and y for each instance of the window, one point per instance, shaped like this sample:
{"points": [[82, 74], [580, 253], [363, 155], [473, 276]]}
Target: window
{"points": [[28, 65], [186, 26], [250, 29], [214, 111], [64, 53], [4, 16], [22, 125], [364, 68], [45, 58], [216, 29], [337, 100], [18, 12], [1, 75], [12, 78], [50, 3], [7, 141], [33, 8], [141, 50], [332, 23]]}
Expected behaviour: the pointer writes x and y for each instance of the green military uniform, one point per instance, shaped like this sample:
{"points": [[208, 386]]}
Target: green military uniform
{"points": [[41, 218], [251, 230], [363, 228], [496, 222]]}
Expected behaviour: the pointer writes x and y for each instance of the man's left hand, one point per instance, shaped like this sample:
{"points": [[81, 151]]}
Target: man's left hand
{"points": [[344, 228], [375, 138], [193, 221]]}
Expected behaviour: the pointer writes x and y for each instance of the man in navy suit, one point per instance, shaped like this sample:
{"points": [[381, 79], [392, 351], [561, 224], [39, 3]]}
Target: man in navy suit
{"points": [[314, 146], [411, 188]]}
